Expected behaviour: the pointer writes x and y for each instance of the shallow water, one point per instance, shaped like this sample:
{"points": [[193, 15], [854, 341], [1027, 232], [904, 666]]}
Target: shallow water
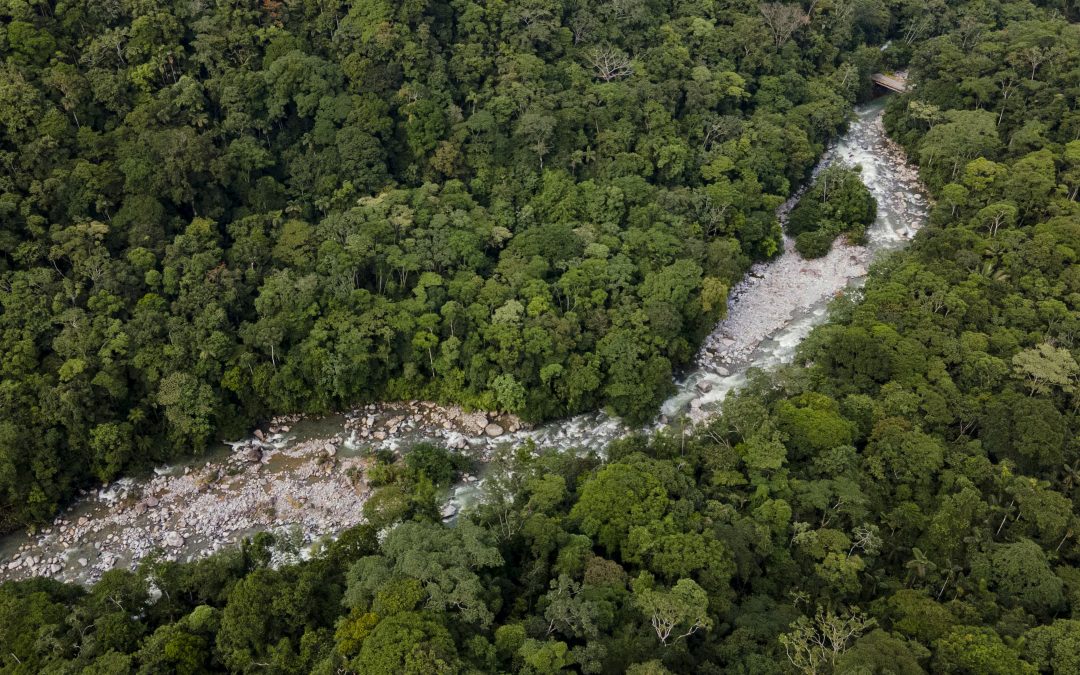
{"points": [[301, 483]]}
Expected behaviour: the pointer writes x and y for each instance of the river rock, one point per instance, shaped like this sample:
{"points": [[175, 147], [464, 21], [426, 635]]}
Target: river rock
{"points": [[82, 562], [493, 430], [174, 540], [704, 386], [448, 511], [251, 454], [330, 449]]}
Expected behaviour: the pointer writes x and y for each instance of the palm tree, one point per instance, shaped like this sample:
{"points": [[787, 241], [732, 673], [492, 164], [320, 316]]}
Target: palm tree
{"points": [[919, 566], [950, 570], [1072, 475], [1007, 510]]}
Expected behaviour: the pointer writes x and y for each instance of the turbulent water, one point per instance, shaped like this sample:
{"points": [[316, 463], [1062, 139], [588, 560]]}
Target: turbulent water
{"points": [[307, 476]]}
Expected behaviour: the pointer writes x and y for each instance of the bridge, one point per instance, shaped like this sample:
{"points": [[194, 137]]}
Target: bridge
{"points": [[896, 82]]}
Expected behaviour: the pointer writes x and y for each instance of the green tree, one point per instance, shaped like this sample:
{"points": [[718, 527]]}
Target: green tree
{"points": [[619, 496], [674, 614], [970, 649], [410, 642]]}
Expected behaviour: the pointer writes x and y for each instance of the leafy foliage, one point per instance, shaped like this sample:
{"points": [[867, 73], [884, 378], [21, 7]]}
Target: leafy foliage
{"points": [[837, 203]]}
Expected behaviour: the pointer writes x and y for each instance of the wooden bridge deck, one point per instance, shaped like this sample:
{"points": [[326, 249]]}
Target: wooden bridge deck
{"points": [[890, 82]]}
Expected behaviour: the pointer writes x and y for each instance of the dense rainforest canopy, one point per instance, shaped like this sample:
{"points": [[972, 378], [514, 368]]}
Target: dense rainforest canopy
{"points": [[901, 499], [215, 211]]}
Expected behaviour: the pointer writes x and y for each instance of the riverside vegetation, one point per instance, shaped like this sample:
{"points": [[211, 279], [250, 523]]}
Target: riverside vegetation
{"points": [[901, 499], [837, 203]]}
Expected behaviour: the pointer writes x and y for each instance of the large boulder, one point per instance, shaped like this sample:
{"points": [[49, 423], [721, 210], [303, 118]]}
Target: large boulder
{"points": [[174, 540]]}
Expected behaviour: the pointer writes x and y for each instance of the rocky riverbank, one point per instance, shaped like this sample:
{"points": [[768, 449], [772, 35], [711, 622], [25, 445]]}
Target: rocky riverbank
{"points": [[291, 474], [774, 292]]}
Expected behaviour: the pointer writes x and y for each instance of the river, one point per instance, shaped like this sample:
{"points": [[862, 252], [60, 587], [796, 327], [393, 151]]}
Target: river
{"points": [[306, 476]]}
